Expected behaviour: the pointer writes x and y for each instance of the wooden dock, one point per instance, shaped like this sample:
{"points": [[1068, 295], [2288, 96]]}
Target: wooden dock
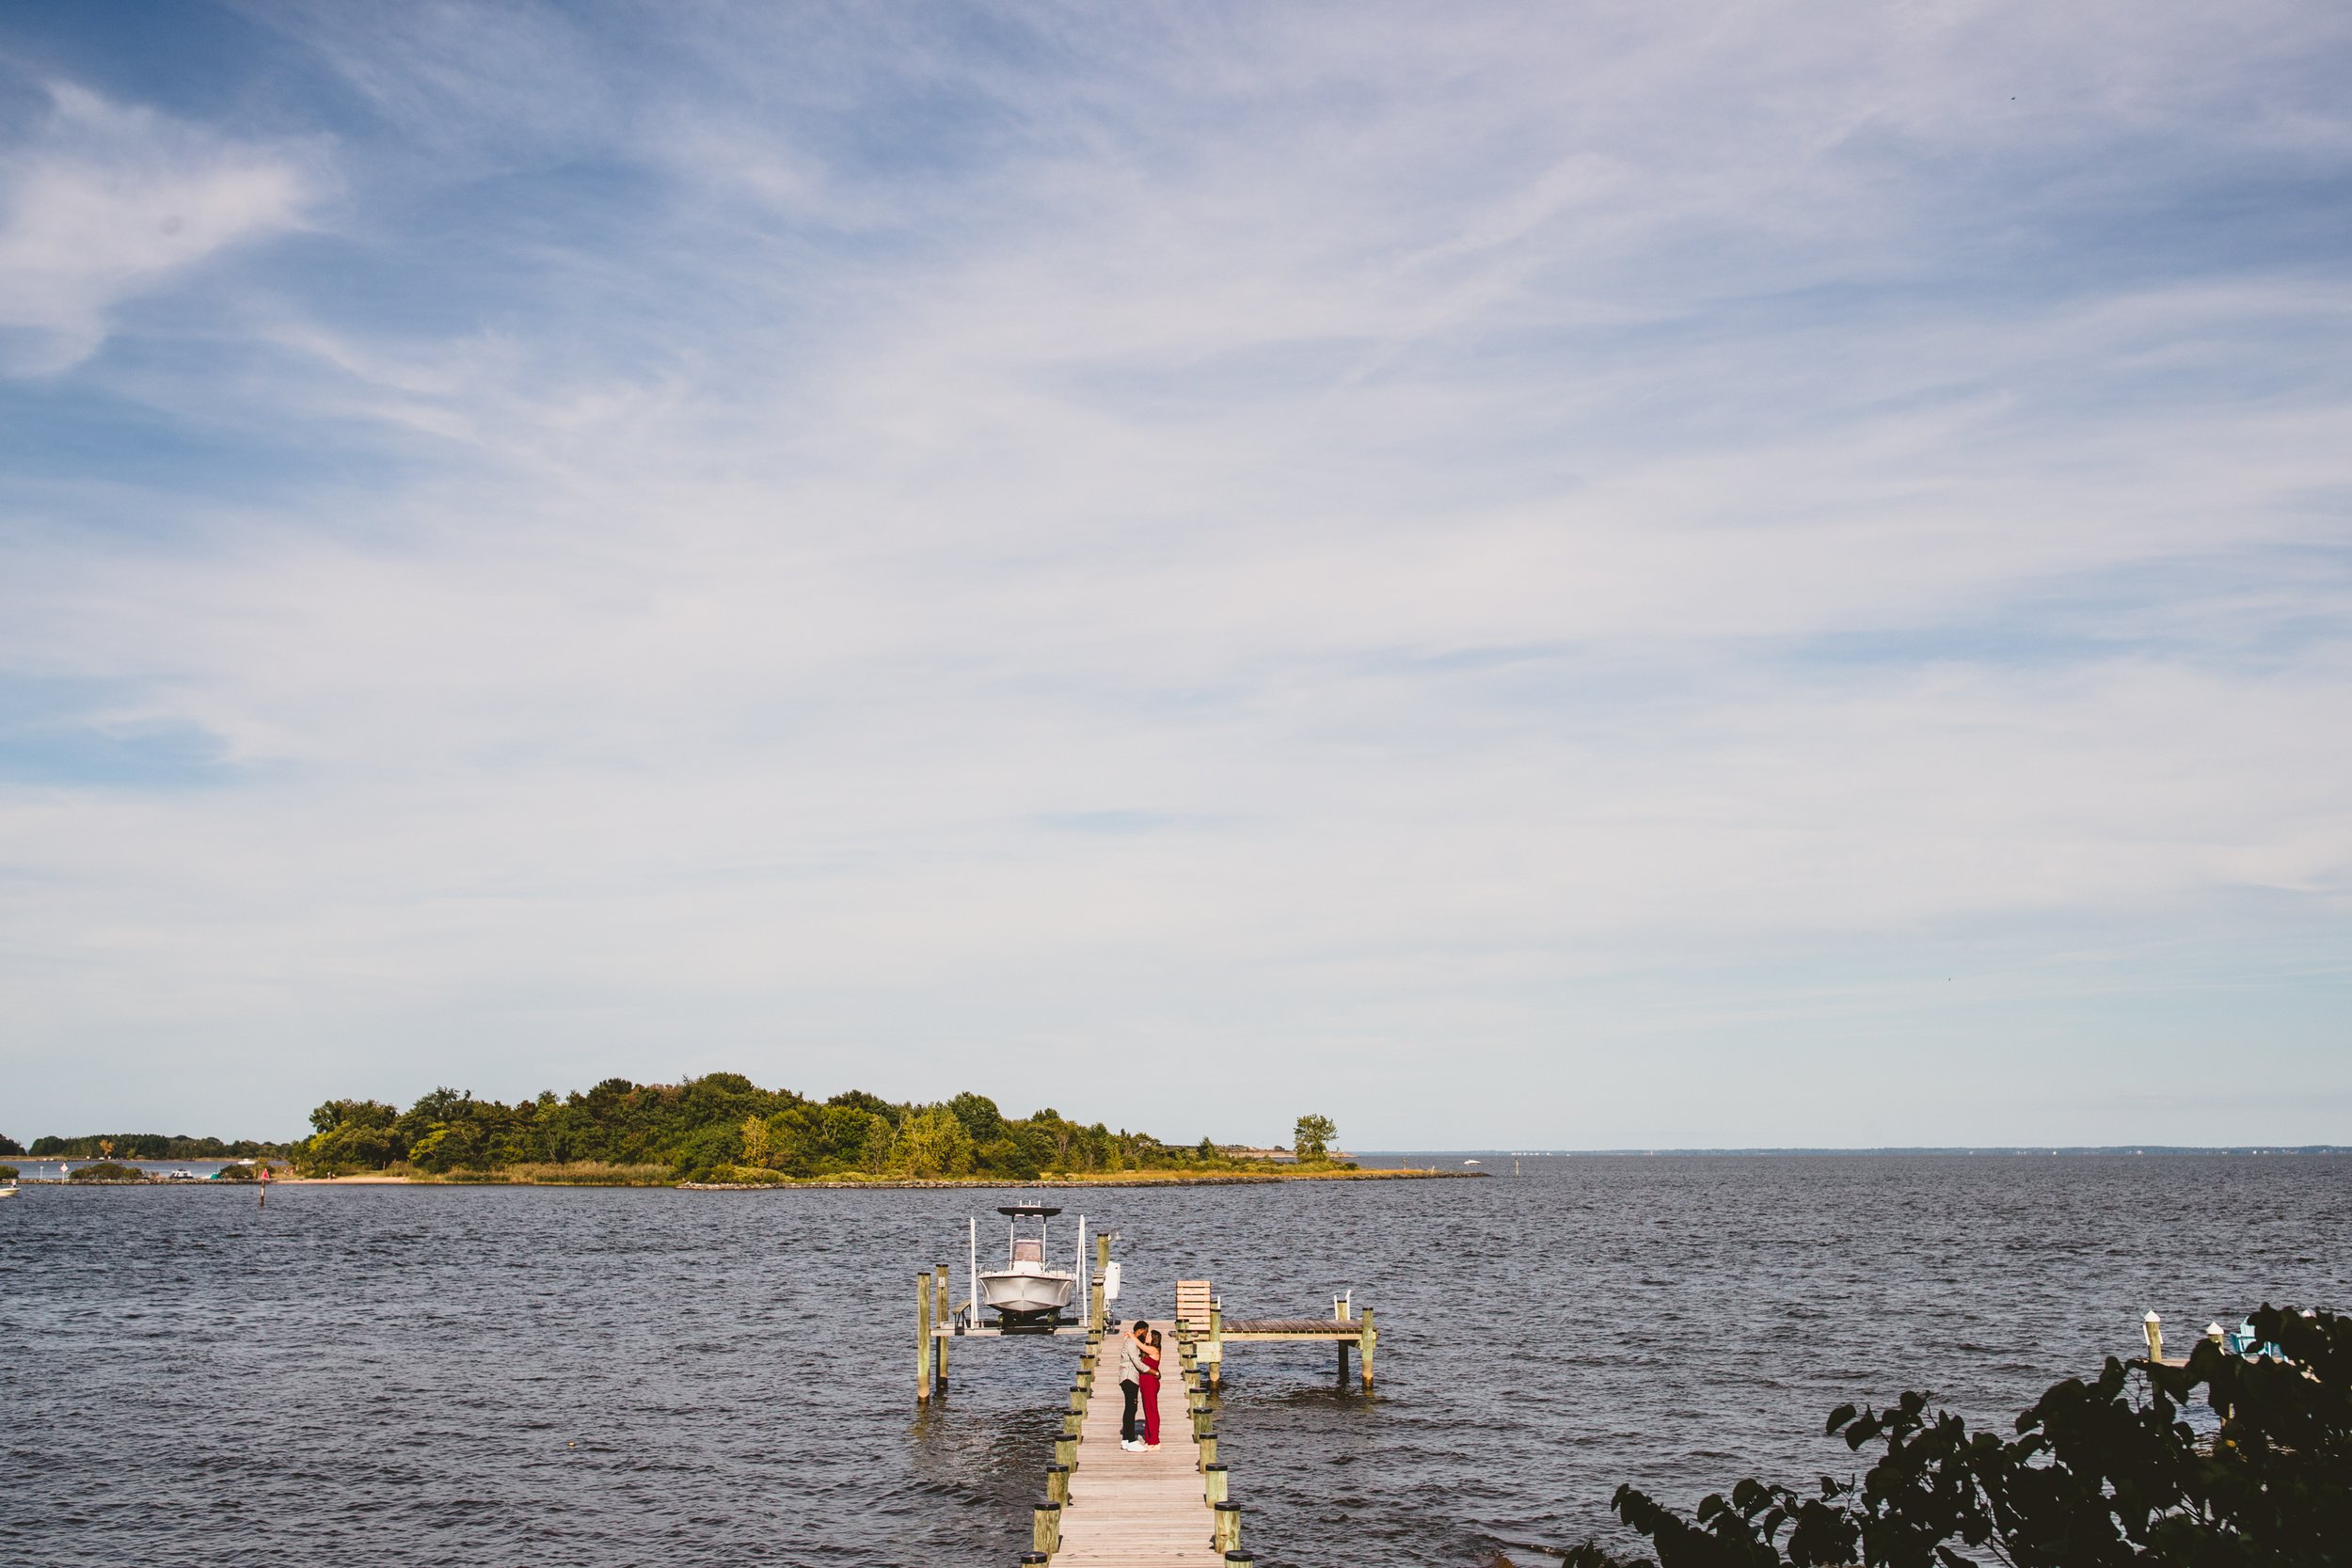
{"points": [[1103, 1504], [1203, 1317], [1143, 1510]]}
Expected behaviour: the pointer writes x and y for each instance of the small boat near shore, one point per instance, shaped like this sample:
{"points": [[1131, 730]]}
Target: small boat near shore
{"points": [[1028, 1293]]}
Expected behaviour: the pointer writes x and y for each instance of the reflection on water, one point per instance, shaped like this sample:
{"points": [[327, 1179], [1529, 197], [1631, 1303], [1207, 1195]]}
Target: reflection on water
{"points": [[540, 1375]]}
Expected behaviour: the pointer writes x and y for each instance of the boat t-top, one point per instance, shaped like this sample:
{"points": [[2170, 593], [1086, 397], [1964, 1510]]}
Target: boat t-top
{"points": [[1028, 1293]]}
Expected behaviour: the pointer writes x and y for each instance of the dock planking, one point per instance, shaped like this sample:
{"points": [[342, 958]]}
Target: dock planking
{"points": [[1142, 1510]]}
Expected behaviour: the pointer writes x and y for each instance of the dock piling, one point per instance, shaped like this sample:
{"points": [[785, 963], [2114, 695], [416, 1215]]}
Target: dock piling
{"points": [[1227, 1534], [2153, 1326], [924, 1340], [941, 1314], [1046, 1527], [1095, 1302]]}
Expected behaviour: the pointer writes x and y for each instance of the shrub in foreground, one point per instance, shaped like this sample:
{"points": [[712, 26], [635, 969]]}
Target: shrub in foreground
{"points": [[2100, 1474]]}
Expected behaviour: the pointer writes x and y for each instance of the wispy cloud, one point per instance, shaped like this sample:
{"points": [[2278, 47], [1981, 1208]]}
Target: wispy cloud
{"points": [[821, 543], [105, 202]]}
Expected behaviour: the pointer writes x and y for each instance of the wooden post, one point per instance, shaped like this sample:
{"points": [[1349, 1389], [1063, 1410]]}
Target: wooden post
{"points": [[2153, 1326], [1057, 1483], [1364, 1342], [1046, 1527], [1094, 1288], [1227, 1535], [1208, 1450], [923, 1338], [1212, 1479], [1216, 1338], [943, 1315], [1066, 1452], [1343, 1344]]}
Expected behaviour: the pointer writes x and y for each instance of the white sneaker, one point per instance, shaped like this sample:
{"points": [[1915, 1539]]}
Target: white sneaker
{"points": [[1130, 1448]]}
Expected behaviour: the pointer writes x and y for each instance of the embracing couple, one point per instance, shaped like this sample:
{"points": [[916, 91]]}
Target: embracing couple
{"points": [[1139, 1378]]}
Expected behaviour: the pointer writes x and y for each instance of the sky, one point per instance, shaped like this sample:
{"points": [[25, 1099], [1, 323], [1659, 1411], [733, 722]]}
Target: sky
{"points": [[1563, 576]]}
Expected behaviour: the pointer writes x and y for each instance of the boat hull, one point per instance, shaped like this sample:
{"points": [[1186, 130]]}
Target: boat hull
{"points": [[1021, 1295]]}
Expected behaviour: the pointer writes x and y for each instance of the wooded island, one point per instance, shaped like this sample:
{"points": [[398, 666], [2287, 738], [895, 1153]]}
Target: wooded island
{"points": [[724, 1129]]}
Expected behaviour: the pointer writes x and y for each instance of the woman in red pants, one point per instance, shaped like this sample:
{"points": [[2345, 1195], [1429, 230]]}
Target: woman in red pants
{"points": [[1152, 1389]]}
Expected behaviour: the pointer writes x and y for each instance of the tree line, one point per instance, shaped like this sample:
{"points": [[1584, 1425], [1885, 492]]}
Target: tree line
{"points": [[143, 1145], [722, 1127]]}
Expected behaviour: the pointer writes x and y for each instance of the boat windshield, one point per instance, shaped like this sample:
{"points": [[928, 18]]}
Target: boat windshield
{"points": [[1028, 1249]]}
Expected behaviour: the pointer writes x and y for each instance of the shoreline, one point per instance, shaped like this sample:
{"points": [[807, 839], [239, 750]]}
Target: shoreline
{"points": [[1115, 1178], [1112, 1179]]}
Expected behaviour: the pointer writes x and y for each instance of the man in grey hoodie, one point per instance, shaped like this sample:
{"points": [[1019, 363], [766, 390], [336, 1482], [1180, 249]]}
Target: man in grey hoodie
{"points": [[1130, 1383]]}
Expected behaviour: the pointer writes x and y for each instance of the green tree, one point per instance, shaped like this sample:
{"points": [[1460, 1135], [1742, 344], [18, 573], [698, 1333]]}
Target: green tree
{"points": [[1005, 1157], [980, 1116], [363, 1113], [2099, 1476], [758, 1148], [872, 1105], [930, 1142], [1313, 1137], [354, 1134]]}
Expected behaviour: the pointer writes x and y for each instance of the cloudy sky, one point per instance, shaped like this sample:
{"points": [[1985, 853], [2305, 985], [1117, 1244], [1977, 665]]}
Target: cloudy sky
{"points": [[1552, 576]]}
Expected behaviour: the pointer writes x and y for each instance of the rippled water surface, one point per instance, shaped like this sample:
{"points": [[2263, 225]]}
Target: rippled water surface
{"points": [[397, 1375]]}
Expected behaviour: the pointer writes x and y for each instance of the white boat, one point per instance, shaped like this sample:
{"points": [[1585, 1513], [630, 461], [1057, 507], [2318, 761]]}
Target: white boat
{"points": [[1028, 1293]]}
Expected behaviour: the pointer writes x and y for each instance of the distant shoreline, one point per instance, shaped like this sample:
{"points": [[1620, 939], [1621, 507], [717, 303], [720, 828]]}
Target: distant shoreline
{"points": [[1113, 1178], [1117, 1179]]}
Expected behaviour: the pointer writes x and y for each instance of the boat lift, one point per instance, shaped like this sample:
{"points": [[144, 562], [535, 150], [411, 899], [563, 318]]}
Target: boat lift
{"points": [[939, 1321]]}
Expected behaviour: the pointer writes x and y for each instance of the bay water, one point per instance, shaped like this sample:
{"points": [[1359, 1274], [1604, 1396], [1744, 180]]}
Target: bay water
{"points": [[365, 1376]]}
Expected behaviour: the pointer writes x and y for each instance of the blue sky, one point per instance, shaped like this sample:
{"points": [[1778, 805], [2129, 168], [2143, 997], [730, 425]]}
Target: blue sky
{"points": [[1548, 577]]}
